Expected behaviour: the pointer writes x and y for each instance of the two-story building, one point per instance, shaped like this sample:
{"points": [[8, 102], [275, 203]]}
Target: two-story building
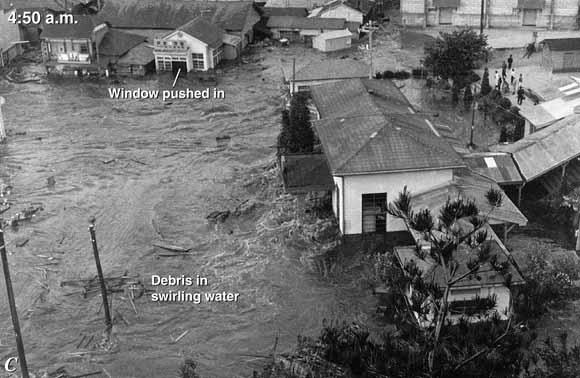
{"points": [[195, 46], [551, 14], [73, 47]]}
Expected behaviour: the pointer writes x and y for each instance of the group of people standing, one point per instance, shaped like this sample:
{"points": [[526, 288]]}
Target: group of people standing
{"points": [[514, 83]]}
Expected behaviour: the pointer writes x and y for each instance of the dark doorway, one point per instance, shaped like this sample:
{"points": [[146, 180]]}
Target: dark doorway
{"points": [[175, 66]]}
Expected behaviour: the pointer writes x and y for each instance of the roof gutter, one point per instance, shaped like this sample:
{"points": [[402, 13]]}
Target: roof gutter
{"points": [[397, 171]]}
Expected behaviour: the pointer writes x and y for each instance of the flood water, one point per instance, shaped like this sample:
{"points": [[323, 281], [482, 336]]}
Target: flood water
{"points": [[149, 171]]}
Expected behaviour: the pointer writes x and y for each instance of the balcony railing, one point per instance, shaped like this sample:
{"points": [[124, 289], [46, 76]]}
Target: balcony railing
{"points": [[74, 57]]}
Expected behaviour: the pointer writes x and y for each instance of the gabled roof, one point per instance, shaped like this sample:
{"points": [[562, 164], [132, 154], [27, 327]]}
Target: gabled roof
{"points": [[55, 5], [141, 54], [333, 4], [361, 134], [166, 14], [83, 28], [306, 23], [546, 149], [327, 70], [117, 43], [486, 276], [468, 184], [294, 3], [204, 31]]}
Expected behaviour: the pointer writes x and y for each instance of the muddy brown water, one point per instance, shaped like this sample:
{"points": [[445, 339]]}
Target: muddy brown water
{"points": [[147, 170]]}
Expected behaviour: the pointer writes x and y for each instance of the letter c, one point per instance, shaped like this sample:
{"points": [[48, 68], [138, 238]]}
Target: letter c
{"points": [[8, 364]]}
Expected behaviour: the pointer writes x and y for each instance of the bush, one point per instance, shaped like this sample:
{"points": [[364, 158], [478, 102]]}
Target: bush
{"points": [[485, 87], [402, 75], [388, 75], [419, 72], [505, 103], [379, 75]]}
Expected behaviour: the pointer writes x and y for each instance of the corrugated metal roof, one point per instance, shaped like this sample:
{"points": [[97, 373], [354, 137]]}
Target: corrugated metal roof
{"points": [[498, 166], [544, 150], [306, 23], [467, 184]]}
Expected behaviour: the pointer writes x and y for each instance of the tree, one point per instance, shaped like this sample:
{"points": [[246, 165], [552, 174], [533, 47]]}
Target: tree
{"points": [[460, 224], [485, 87], [297, 135], [467, 97], [454, 55]]}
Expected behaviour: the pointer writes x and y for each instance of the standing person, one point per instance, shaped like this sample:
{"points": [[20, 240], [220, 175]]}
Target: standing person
{"points": [[499, 82], [510, 62], [503, 69], [520, 95], [513, 79], [496, 78], [520, 81]]}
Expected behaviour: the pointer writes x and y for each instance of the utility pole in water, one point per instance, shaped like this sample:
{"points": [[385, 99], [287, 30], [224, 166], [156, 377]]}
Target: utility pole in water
{"points": [[12, 305], [108, 320]]}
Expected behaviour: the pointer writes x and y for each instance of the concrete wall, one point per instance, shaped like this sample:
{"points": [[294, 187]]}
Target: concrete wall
{"points": [[498, 13], [392, 184]]}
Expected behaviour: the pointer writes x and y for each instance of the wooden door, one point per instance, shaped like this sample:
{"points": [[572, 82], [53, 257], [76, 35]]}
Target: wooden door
{"points": [[530, 17], [445, 16]]}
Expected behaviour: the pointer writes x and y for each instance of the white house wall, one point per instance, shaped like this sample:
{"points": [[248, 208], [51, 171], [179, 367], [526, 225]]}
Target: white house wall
{"points": [[499, 13], [195, 47], [392, 184], [8, 31]]}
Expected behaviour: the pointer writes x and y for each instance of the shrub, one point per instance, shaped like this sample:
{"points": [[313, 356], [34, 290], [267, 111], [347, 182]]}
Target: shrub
{"points": [[419, 72], [485, 87], [379, 75], [388, 75], [402, 75]]}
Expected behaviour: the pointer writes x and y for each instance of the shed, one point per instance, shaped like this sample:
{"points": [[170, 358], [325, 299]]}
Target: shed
{"points": [[561, 54], [138, 61], [232, 46], [332, 40]]}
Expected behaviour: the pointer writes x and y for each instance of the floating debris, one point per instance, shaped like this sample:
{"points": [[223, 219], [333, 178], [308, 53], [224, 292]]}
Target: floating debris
{"points": [[218, 216]]}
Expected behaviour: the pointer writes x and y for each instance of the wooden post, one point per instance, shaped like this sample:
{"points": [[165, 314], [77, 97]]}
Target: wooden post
{"points": [[520, 194], [505, 233], [100, 274], [13, 312], [292, 85], [371, 50]]}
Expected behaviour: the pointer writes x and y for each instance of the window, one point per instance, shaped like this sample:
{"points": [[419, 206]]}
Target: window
{"points": [[84, 49], [374, 212], [198, 62], [217, 55], [164, 63]]}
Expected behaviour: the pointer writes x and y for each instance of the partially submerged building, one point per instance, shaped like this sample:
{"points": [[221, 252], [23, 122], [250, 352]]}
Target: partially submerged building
{"points": [[70, 48], [333, 40], [126, 54], [303, 29]]}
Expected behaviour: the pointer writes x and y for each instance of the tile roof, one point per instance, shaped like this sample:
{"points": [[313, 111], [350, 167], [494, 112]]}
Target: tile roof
{"points": [[116, 42], [361, 135], [498, 166], [165, 14], [294, 3], [327, 70], [468, 184], [142, 54], [204, 31], [563, 44], [83, 28], [484, 277], [335, 3], [546, 149], [306, 23], [56, 5]]}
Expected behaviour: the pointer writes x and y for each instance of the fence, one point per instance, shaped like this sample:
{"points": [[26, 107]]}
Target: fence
{"points": [[6, 56]]}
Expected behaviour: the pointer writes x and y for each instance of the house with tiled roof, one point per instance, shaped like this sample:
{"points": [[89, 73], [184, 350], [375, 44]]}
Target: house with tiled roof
{"points": [[234, 17], [376, 143], [338, 9], [303, 29]]}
